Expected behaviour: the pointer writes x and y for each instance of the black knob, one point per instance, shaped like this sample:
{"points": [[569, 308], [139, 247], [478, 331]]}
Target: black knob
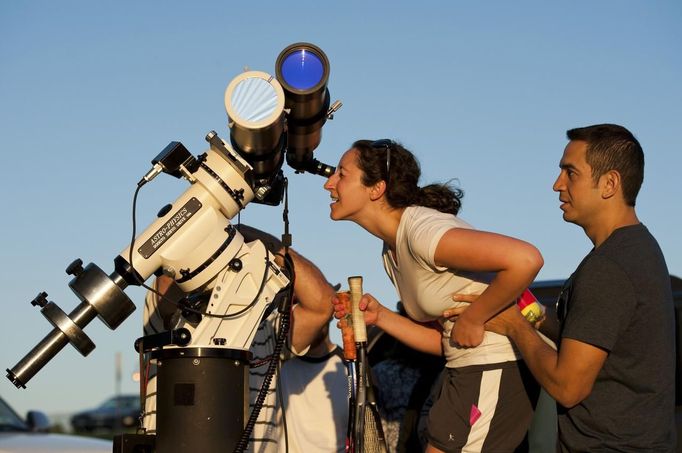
{"points": [[210, 136], [165, 210], [40, 300], [75, 268], [236, 265]]}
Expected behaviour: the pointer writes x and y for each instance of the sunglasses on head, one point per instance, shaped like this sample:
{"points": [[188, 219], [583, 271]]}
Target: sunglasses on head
{"points": [[386, 143]]}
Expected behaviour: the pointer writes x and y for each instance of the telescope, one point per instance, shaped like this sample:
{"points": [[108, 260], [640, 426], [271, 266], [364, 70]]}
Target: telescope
{"points": [[271, 119]]}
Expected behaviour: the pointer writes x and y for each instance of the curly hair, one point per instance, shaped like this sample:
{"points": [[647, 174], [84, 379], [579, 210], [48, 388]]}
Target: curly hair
{"points": [[389, 161]]}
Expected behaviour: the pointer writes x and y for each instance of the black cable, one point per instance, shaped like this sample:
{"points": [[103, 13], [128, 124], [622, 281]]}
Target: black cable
{"points": [[132, 239], [289, 264], [267, 380], [283, 407], [286, 237]]}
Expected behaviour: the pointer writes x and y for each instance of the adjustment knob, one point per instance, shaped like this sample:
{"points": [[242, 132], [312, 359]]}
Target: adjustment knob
{"points": [[40, 300], [235, 264], [75, 268], [210, 136]]}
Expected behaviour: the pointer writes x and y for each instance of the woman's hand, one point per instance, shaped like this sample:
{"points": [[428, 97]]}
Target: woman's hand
{"points": [[465, 332], [368, 304]]}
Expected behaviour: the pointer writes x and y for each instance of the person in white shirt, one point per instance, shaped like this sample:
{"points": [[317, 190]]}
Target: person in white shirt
{"points": [[487, 397], [315, 398]]}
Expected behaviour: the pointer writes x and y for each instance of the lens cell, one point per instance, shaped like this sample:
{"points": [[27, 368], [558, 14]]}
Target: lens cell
{"points": [[302, 69]]}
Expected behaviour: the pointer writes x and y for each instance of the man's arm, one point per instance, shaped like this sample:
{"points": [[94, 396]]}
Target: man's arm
{"points": [[312, 291], [314, 308], [567, 375]]}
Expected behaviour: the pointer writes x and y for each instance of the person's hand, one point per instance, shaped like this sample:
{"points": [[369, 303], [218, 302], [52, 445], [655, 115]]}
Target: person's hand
{"points": [[339, 307], [502, 323], [165, 296], [163, 282], [371, 307], [466, 332], [368, 304]]}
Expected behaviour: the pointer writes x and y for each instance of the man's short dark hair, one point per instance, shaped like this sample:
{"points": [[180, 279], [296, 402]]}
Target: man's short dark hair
{"points": [[613, 147]]}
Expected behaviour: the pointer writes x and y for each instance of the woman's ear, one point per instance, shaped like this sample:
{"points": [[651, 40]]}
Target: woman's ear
{"points": [[377, 190]]}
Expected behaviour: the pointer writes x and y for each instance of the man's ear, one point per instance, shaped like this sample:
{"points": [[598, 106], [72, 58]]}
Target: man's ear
{"points": [[377, 190], [611, 184]]}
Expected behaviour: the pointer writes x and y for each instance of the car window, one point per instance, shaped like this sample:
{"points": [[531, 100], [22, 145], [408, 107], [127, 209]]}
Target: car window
{"points": [[109, 404], [9, 420], [124, 402], [132, 402]]}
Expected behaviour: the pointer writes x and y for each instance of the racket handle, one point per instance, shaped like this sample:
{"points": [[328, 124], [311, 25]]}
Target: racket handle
{"points": [[359, 328], [346, 325]]}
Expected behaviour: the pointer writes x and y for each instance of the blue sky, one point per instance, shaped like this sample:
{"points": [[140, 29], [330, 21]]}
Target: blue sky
{"points": [[482, 92]]}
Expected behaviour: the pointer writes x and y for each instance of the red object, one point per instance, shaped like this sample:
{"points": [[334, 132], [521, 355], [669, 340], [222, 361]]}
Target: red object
{"points": [[526, 299], [531, 309]]}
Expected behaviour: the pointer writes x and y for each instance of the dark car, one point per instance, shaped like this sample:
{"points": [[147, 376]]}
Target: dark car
{"points": [[31, 436], [115, 414]]}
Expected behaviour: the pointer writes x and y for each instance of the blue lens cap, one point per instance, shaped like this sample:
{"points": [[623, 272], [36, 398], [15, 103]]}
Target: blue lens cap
{"points": [[302, 69]]}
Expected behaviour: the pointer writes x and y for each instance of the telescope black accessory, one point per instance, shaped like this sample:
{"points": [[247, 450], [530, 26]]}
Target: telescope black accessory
{"points": [[173, 159], [192, 306], [40, 300], [177, 337], [316, 167]]}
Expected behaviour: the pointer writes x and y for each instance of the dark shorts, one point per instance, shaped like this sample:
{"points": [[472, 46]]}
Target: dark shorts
{"points": [[483, 408]]}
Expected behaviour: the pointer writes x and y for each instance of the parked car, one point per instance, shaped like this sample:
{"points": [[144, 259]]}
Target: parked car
{"points": [[30, 435], [115, 414]]}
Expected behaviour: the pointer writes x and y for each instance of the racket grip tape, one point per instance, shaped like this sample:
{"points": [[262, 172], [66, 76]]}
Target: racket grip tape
{"points": [[359, 328]]}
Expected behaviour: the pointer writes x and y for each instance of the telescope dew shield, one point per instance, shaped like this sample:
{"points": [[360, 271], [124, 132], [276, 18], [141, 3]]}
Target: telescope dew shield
{"points": [[303, 71], [254, 102]]}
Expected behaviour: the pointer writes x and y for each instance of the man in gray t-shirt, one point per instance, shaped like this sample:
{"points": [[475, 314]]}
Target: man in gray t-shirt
{"points": [[613, 375], [619, 300]]}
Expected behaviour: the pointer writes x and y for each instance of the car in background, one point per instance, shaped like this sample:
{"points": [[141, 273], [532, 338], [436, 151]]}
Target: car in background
{"points": [[31, 436], [115, 414]]}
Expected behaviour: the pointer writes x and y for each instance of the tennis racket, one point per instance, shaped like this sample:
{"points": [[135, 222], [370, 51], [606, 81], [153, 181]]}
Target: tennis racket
{"points": [[368, 434], [350, 360]]}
